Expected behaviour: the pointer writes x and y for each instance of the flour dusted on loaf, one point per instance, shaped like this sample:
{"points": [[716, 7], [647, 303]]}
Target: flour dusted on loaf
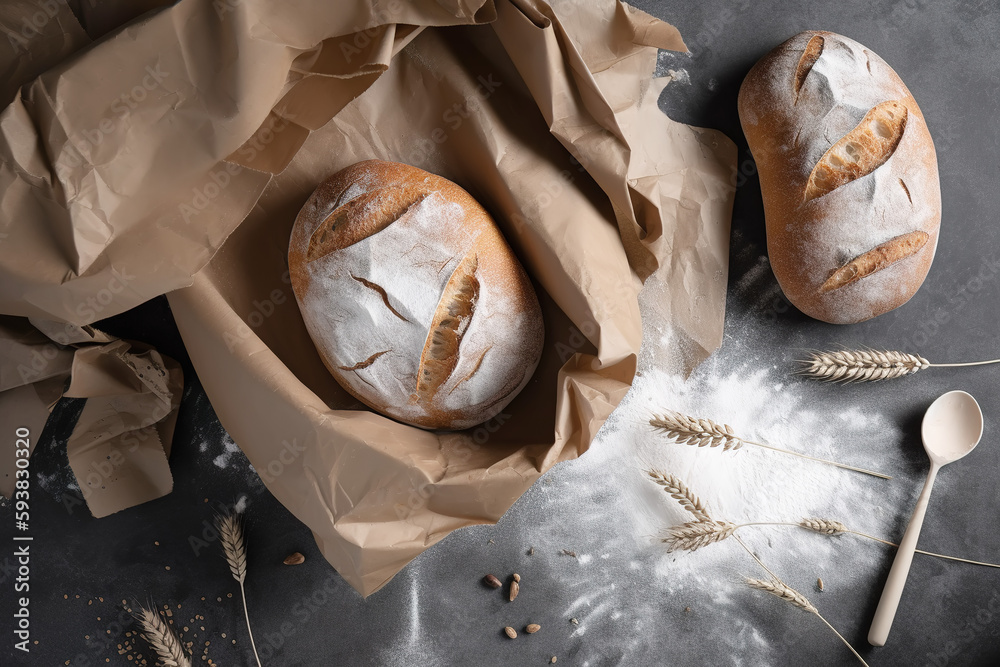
{"points": [[848, 176], [413, 299]]}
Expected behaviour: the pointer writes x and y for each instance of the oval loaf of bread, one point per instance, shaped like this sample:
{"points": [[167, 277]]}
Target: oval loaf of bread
{"points": [[416, 304], [848, 174]]}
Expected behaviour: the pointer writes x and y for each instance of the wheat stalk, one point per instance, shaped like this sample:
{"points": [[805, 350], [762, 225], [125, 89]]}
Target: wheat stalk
{"points": [[829, 527], [234, 547], [868, 365], [694, 535], [706, 433], [161, 639], [788, 594], [681, 493]]}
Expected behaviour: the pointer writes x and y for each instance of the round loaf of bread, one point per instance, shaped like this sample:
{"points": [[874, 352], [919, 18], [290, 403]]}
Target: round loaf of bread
{"points": [[416, 304], [848, 174]]}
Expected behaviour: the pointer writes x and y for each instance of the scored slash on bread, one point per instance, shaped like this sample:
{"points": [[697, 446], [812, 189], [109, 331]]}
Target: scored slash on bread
{"points": [[812, 52], [333, 234], [876, 259], [861, 151], [451, 319]]}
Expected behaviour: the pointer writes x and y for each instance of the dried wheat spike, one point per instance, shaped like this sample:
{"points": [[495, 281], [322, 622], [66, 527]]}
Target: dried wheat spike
{"points": [[785, 592], [161, 639], [861, 365], [233, 545], [697, 534], [824, 526], [693, 431], [679, 491]]}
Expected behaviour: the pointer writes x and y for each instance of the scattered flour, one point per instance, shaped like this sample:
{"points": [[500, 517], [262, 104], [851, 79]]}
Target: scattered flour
{"points": [[229, 449], [679, 75], [633, 602]]}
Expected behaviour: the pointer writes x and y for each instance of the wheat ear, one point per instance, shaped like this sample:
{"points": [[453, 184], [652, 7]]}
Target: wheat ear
{"points": [[848, 366], [161, 639], [681, 493], [706, 433], [788, 594], [694, 535], [828, 527], [235, 549], [824, 526]]}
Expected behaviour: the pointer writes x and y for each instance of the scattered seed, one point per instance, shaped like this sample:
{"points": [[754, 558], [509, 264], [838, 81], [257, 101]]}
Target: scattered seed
{"points": [[514, 588], [531, 551], [819, 583], [532, 628], [574, 621], [552, 661], [294, 559], [511, 632], [688, 609], [517, 577], [492, 581], [567, 552]]}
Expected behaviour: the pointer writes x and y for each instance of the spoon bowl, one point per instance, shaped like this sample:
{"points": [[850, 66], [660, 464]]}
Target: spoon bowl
{"points": [[952, 427]]}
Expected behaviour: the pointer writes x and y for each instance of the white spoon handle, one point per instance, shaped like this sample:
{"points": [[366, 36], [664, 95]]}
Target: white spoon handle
{"points": [[893, 590]]}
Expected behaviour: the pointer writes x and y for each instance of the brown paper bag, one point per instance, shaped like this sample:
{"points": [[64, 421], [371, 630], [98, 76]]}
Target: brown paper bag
{"points": [[546, 114]]}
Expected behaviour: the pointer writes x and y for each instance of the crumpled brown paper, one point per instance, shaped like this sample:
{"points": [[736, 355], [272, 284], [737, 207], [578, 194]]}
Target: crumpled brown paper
{"points": [[120, 445], [543, 111], [119, 448]]}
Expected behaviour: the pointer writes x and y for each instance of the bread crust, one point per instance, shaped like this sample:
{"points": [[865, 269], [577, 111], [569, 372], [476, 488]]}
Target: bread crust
{"points": [[847, 168], [416, 304]]}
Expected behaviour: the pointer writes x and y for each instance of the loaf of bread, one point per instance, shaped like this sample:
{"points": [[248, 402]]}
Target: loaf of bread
{"points": [[416, 304], [848, 175]]}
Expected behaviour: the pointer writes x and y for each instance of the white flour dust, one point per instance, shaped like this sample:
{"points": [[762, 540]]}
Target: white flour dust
{"points": [[604, 509]]}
